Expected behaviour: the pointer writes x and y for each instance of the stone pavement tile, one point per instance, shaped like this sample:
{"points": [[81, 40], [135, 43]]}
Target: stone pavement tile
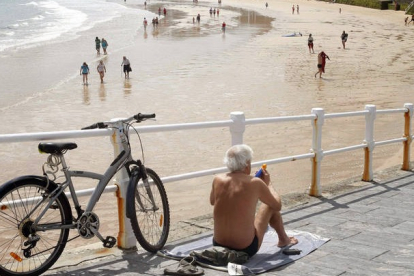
{"points": [[381, 239], [354, 250], [355, 266], [394, 211], [376, 219], [401, 257], [336, 232], [407, 228], [305, 267]]}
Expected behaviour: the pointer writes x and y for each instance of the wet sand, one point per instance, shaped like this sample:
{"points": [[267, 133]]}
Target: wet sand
{"points": [[193, 73]]}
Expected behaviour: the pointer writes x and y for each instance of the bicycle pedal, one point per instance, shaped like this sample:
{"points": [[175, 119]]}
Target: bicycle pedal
{"points": [[109, 242]]}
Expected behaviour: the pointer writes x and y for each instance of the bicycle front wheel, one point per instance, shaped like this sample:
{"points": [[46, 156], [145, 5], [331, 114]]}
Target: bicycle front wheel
{"points": [[23, 250], [150, 213]]}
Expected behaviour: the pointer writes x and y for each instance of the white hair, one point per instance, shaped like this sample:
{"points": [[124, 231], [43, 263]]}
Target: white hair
{"points": [[237, 157]]}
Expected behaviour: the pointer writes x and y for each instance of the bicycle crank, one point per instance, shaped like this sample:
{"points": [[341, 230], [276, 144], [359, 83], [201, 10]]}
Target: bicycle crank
{"points": [[88, 226]]}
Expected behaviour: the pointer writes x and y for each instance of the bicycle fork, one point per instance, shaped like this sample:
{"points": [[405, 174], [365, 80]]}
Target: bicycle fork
{"points": [[135, 174]]}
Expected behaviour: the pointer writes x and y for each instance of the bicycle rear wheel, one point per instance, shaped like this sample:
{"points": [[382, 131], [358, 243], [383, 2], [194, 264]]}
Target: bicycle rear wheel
{"points": [[151, 223], [23, 250]]}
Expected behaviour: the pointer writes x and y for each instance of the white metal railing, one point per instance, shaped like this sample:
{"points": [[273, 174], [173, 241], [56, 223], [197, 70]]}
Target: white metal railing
{"points": [[237, 125]]}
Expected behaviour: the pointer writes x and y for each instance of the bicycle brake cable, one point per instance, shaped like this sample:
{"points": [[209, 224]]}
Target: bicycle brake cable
{"points": [[140, 141]]}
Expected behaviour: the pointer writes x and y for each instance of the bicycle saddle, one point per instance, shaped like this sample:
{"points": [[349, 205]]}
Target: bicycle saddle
{"points": [[56, 148]]}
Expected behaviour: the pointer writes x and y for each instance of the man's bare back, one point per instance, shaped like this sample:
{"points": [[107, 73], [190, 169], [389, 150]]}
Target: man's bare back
{"points": [[235, 196], [237, 193]]}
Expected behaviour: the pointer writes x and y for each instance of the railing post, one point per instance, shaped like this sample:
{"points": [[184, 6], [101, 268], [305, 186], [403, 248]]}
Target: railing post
{"points": [[126, 238], [406, 165], [237, 128], [367, 175], [315, 187]]}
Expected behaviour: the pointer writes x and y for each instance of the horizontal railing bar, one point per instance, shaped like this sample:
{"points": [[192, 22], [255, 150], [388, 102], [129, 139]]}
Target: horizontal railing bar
{"points": [[346, 114], [19, 202], [355, 147], [85, 192], [39, 136], [280, 119], [285, 159], [388, 111], [147, 129], [386, 142], [224, 169]]}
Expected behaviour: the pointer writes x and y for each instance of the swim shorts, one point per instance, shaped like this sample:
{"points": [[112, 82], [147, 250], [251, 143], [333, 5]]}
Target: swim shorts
{"points": [[319, 65], [127, 68], [250, 250]]}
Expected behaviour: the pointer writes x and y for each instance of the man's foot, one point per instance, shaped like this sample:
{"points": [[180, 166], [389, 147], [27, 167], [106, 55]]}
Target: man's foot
{"points": [[287, 242]]}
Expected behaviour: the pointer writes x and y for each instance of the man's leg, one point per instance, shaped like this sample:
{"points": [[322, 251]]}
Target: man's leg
{"points": [[266, 216]]}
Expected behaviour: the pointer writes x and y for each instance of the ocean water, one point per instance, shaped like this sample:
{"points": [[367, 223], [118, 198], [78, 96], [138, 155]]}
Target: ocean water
{"points": [[43, 42], [29, 23]]}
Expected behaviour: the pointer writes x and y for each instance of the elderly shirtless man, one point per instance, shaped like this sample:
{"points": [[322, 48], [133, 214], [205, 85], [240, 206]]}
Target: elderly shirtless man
{"points": [[235, 195]]}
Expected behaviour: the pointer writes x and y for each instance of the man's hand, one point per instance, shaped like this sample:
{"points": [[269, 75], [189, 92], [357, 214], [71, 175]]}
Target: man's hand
{"points": [[265, 177]]}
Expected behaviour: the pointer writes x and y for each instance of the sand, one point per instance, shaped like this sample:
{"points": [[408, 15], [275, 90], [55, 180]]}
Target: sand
{"points": [[185, 73]]}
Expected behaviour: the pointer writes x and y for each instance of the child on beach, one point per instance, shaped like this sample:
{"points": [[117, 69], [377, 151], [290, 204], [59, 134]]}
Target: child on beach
{"points": [[84, 71], [101, 70]]}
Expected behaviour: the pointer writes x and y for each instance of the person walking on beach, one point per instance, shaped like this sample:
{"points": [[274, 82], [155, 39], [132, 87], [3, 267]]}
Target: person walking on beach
{"points": [[321, 63], [198, 18], [297, 9], [223, 27], [267, 5], [344, 38], [145, 24], [293, 9], [101, 70], [235, 196], [104, 45], [84, 71], [310, 43], [98, 45], [127, 67]]}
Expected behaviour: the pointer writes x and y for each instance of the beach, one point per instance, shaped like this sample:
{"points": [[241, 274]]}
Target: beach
{"points": [[186, 72]]}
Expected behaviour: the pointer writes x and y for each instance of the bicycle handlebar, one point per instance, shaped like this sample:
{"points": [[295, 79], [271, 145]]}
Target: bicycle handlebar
{"points": [[97, 125], [141, 117], [138, 118]]}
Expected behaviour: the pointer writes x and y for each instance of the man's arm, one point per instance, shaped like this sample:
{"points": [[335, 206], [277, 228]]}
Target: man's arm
{"points": [[212, 198], [267, 193]]}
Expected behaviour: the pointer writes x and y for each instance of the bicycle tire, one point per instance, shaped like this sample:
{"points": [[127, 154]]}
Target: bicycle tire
{"points": [[15, 226], [151, 227]]}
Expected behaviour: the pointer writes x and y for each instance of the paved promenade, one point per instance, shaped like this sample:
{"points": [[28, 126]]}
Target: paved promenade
{"points": [[371, 228]]}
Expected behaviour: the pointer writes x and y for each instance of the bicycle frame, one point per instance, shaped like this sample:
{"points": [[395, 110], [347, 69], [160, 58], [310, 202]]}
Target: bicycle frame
{"points": [[104, 179]]}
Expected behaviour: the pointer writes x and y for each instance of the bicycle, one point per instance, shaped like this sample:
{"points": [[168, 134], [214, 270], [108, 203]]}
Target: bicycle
{"points": [[36, 215]]}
